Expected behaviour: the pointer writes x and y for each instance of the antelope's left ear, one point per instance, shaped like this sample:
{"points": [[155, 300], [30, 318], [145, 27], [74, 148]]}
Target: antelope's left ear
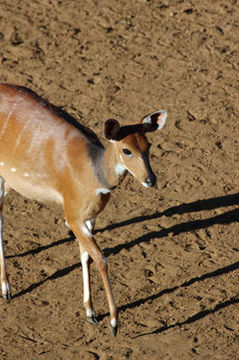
{"points": [[155, 121], [111, 128]]}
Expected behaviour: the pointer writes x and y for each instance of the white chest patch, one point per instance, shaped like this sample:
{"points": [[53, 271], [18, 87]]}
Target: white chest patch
{"points": [[102, 191]]}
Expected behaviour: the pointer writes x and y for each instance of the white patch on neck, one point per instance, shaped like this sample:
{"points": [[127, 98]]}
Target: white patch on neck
{"points": [[120, 169], [102, 191]]}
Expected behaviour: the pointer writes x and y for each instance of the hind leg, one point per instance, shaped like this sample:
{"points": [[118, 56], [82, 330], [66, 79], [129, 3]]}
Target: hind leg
{"points": [[6, 292]]}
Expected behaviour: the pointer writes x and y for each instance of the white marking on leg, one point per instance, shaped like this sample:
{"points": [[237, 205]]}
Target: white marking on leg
{"points": [[113, 322], [86, 278], [90, 313], [1, 163], [26, 174], [85, 230], [5, 289], [13, 169], [89, 225], [67, 225]]}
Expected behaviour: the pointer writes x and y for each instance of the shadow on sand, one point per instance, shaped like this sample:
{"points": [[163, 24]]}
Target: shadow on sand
{"points": [[197, 206]]}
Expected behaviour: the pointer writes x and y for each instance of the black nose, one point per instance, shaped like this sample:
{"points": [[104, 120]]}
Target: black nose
{"points": [[151, 180]]}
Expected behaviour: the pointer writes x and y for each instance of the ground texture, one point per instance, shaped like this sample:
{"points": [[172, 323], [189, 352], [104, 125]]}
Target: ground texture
{"points": [[173, 251]]}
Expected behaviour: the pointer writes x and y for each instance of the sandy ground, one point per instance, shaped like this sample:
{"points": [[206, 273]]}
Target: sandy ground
{"points": [[173, 251]]}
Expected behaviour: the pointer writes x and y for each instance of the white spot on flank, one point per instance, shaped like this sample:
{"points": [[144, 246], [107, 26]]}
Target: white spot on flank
{"points": [[13, 169], [102, 191], [1, 163], [26, 174]]}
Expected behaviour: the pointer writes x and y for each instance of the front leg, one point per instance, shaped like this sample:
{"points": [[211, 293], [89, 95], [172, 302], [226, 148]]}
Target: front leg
{"points": [[85, 262], [89, 247]]}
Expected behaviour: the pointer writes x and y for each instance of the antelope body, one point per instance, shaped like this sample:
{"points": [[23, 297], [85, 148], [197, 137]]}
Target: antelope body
{"points": [[45, 154]]}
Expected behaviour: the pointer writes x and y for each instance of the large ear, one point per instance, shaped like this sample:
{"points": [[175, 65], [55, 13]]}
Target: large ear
{"points": [[155, 121], [110, 129]]}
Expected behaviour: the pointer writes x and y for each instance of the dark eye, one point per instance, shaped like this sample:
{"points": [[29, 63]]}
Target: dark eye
{"points": [[127, 152]]}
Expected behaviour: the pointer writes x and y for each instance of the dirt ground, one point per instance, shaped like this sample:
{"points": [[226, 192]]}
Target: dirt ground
{"points": [[173, 250]]}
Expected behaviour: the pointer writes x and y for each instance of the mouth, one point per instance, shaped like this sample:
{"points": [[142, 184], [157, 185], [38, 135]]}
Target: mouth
{"points": [[146, 185]]}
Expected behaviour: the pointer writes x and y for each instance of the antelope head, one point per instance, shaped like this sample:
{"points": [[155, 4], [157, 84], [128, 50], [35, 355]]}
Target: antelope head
{"points": [[131, 145]]}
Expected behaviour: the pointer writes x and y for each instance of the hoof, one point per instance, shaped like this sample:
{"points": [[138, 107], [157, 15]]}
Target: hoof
{"points": [[92, 320], [90, 316], [6, 292], [114, 327]]}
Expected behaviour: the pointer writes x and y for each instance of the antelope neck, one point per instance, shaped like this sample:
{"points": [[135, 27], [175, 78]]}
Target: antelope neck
{"points": [[104, 161], [111, 161]]}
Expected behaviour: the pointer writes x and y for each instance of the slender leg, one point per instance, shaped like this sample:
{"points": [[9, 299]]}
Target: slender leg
{"points": [[90, 247], [6, 292], [90, 313]]}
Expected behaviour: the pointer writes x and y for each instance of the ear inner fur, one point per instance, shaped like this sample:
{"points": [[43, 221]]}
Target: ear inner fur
{"points": [[111, 128]]}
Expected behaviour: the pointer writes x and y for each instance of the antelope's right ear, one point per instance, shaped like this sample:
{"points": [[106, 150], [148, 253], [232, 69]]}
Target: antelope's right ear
{"points": [[155, 121], [110, 129]]}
